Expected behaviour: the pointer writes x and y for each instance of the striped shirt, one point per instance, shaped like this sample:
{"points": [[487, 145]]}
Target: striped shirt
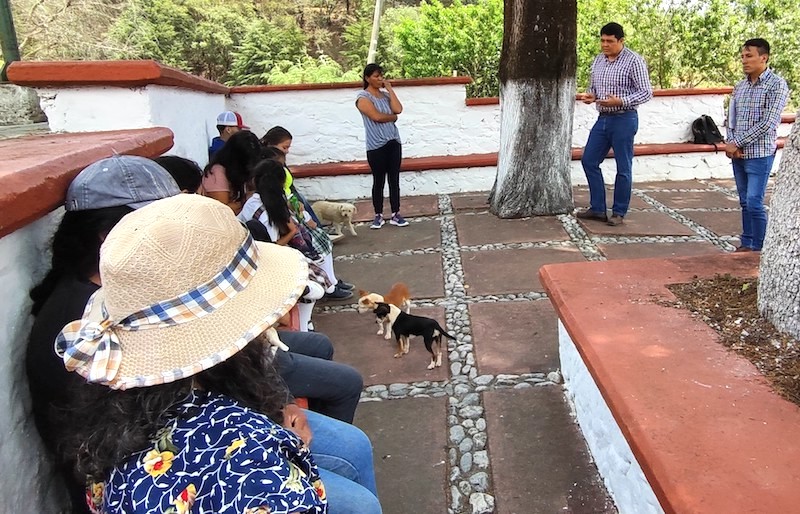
{"points": [[755, 113], [625, 77], [378, 133]]}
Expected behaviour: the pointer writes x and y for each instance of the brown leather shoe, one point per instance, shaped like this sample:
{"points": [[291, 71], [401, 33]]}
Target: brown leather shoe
{"points": [[588, 214], [615, 220], [740, 249]]}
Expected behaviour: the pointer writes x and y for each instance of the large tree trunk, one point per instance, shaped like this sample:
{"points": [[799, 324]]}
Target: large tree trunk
{"points": [[779, 273], [537, 99]]}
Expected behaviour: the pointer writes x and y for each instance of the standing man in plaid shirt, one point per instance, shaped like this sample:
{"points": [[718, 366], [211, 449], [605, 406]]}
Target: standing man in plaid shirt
{"points": [[618, 84], [753, 118]]}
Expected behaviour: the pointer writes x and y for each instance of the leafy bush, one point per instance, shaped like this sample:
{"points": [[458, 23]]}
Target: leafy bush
{"points": [[264, 45], [466, 38], [309, 70]]}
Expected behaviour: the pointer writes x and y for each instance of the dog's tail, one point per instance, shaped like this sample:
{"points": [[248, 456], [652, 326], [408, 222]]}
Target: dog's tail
{"points": [[444, 333]]}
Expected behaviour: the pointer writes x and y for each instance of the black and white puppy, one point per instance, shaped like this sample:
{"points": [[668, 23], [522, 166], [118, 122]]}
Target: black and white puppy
{"points": [[407, 325]]}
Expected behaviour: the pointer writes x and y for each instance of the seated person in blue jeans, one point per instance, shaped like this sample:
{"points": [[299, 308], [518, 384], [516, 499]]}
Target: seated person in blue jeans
{"points": [[95, 203]]}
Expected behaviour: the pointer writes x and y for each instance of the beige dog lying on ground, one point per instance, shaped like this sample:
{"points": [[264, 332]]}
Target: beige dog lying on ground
{"points": [[338, 213], [398, 296]]}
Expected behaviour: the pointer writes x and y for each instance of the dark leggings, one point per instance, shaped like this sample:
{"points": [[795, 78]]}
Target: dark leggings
{"points": [[385, 162]]}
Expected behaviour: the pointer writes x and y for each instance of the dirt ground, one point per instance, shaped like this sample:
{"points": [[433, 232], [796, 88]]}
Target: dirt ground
{"points": [[729, 306]]}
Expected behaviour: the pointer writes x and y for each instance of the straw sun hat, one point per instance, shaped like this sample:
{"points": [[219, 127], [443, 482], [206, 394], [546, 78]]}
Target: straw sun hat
{"points": [[184, 288]]}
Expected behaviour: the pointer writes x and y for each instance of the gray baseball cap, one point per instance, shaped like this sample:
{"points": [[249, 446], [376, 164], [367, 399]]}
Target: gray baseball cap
{"points": [[120, 180]]}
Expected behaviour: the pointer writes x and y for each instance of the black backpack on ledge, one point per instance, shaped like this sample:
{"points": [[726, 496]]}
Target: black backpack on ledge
{"points": [[705, 131]]}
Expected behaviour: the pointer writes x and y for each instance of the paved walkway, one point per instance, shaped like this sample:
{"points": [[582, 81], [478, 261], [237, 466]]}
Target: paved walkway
{"points": [[491, 430]]}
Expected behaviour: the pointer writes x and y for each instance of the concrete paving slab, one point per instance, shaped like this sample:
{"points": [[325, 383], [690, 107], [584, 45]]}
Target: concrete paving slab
{"points": [[515, 337], [640, 224], [408, 439], [511, 271], [421, 234], [470, 201], [649, 250], [540, 463], [581, 198], [670, 184], [728, 183], [410, 207], [485, 228], [694, 200], [422, 274], [357, 344], [722, 223]]}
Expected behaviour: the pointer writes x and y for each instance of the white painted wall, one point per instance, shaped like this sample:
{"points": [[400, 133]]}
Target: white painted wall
{"points": [[621, 472], [649, 168], [327, 128], [435, 121], [28, 483], [191, 115]]}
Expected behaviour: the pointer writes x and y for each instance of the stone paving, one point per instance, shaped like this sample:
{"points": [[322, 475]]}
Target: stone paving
{"points": [[491, 430]]}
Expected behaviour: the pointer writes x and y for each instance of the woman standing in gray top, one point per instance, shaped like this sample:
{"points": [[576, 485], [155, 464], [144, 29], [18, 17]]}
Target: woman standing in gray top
{"points": [[379, 110]]}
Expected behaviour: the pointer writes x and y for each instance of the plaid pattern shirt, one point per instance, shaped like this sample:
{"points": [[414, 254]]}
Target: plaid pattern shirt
{"points": [[755, 113], [625, 77]]}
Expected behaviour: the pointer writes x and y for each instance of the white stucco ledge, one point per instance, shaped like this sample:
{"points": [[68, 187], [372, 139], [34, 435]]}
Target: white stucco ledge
{"points": [[675, 422]]}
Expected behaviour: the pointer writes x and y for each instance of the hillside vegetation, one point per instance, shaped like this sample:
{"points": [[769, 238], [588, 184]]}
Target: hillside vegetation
{"points": [[687, 43]]}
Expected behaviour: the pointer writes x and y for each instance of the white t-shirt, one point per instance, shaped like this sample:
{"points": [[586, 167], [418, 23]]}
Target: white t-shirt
{"points": [[249, 209]]}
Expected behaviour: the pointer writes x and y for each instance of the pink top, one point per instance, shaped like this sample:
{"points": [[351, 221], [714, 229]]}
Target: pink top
{"points": [[216, 180]]}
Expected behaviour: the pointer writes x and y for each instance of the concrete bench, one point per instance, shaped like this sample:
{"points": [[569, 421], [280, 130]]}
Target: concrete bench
{"points": [[676, 423], [445, 162]]}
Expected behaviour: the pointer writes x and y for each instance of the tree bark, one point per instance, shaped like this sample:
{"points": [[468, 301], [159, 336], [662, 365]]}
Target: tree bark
{"points": [[537, 99], [779, 272]]}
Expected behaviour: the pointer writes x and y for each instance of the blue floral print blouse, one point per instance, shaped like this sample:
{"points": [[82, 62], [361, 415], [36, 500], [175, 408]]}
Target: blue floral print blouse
{"points": [[217, 456]]}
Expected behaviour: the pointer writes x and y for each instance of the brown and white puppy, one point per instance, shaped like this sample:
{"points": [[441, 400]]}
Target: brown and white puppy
{"points": [[398, 295], [338, 213], [406, 325]]}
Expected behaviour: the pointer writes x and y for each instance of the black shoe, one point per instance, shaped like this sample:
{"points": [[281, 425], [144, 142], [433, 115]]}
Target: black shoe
{"points": [[589, 214], [345, 285], [338, 294]]}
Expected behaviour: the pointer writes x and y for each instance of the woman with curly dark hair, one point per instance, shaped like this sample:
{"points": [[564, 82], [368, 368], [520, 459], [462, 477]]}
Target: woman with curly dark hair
{"points": [[192, 417], [225, 176]]}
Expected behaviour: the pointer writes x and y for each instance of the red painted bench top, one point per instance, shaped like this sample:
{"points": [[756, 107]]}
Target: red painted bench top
{"points": [[707, 430], [482, 160], [36, 170]]}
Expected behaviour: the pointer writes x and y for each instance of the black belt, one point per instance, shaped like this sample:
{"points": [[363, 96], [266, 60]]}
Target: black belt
{"points": [[617, 113]]}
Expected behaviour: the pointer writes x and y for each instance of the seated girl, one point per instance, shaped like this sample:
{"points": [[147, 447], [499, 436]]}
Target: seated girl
{"points": [[225, 176]]}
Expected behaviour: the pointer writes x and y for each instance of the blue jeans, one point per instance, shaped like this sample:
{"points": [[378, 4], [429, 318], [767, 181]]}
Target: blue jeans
{"points": [[344, 455], [332, 388], [751, 183], [617, 132]]}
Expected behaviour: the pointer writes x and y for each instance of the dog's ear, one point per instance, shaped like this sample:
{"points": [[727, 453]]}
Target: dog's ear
{"points": [[381, 310], [362, 293]]}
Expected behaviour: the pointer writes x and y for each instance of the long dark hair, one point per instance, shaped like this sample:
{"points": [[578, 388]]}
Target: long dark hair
{"points": [[269, 177], [368, 71], [116, 424], [275, 136], [76, 248], [186, 172], [239, 153]]}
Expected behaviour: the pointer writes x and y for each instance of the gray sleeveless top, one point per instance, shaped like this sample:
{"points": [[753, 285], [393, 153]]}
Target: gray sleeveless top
{"points": [[378, 134]]}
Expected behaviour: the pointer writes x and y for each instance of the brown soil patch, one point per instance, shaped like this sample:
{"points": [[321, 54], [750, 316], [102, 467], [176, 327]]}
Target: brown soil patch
{"points": [[729, 306]]}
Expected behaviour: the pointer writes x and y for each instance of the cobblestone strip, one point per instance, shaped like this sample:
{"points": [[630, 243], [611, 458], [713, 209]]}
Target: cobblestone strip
{"points": [[724, 190], [580, 238], [380, 255], [680, 218], [468, 458]]}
